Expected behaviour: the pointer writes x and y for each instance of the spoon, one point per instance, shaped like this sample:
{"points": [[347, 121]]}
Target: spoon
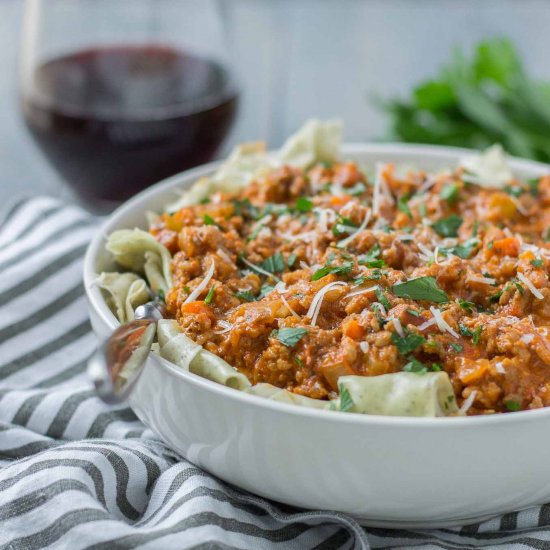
{"points": [[116, 365]]}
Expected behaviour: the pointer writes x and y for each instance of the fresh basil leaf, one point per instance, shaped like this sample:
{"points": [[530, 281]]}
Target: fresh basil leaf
{"points": [[303, 204], [416, 366], [291, 260], [344, 269], [382, 298], [408, 343], [457, 347], [465, 305], [422, 288], [450, 193], [265, 290], [210, 295], [289, 336], [245, 295], [371, 255], [512, 405], [476, 335], [274, 264], [448, 227], [403, 205], [537, 262]]}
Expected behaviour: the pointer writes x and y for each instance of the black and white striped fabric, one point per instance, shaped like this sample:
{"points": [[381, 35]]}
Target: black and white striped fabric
{"points": [[75, 473]]}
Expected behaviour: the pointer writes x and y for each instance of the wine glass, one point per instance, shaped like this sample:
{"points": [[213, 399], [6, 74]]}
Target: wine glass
{"points": [[119, 94]]}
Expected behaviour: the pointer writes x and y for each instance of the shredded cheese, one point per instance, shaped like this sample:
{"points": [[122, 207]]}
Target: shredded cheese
{"points": [[283, 299], [224, 256], [441, 323], [398, 327], [303, 265], [500, 368], [427, 324], [360, 291], [381, 308], [406, 237], [534, 290], [376, 198], [363, 225], [317, 301], [226, 327], [484, 280], [468, 402], [196, 293], [527, 338], [364, 347]]}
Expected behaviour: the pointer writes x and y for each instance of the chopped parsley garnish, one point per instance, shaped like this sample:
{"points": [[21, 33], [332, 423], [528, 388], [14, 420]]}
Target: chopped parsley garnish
{"points": [[514, 191], [375, 264], [512, 405], [210, 295], [408, 343], [291, 260], [436, 367], [537, 262], [209, 220], [245, 295], [160, 295], [422, 288], [519, 286], [476, 335], [533, 184], [416, 366], [303, 204], [448, 227], [245, 207], [382, 298], [346, 402], [466, 306], [371, 255], [413, 312], [490, 245], [403, 205], [265, 290], [464, 330], [475, 227], [463, 250], [358, 189], [449, 193], [274, 264], [377, 313], [457, 347], [206, 200], [342, 226], [289, 336], [494, 298], [376, 275], [344, 269], [298, 361], [422, 210]]}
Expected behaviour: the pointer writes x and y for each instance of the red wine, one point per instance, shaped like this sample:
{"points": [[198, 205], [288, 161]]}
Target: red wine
{"points": [[114, 120]]}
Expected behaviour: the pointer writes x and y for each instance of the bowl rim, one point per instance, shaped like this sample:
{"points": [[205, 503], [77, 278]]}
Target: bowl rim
{"points": [[101, 310]]}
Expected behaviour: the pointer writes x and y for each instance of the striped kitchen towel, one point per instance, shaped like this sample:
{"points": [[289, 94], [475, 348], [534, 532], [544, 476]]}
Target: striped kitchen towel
{"points": [[75, 473]]}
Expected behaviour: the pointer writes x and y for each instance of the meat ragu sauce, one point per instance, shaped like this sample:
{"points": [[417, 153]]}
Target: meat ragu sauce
{"points": [[481, 311]]}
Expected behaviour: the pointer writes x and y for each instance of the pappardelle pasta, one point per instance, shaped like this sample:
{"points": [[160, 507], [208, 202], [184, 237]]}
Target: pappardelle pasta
{"points": [[308, 279]]}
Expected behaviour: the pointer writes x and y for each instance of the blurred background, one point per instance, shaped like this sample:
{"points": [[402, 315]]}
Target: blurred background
{"points": [[359, 60]]}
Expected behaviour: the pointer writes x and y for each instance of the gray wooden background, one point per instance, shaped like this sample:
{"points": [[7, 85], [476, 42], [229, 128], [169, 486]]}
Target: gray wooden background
{"points": [[303, 58]]}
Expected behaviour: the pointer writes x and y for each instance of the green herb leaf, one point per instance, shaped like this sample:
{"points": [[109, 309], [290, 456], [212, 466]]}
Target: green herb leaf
{"points": [[403, 205], [464, 330], [533, 184], [274, 264], [210, 295], [382, 298], [289, 336], [346, 402], [209, 220], [476, 335], [463, 250], [457, 347], [448, 227], [413, 312], [422, 288], [371, 255], [537, 262], [298, 361], [291, 260], [344, 269], [408, 343], [358, 189], [450, 193], [416, 366], [465, 305], [303, 204], [512, 405], [245, 295], [265, 290]]}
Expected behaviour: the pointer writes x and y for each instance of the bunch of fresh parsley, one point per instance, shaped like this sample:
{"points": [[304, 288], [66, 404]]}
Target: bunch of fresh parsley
{"points": [[475, 102]]}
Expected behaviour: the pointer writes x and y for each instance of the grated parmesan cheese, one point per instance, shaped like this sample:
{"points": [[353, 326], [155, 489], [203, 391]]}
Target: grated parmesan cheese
{"points": [[477, 279], [441, 323], [317, 301], [196, 293], [427, 324], [398, 327], [534, 290], [360, 291], [468, 402], [364, 347], [527, 338], [500, 368], [363, 225]]}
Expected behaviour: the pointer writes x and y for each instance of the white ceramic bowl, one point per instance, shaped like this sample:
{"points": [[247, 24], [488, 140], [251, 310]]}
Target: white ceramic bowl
{"points": [[385, 471]]}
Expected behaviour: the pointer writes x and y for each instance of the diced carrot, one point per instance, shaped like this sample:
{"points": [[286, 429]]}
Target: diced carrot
{"points": [[352, 329], [508, 246], [196, 308], [501, 206], [527, 255], [339, 200], [471, 371]]}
